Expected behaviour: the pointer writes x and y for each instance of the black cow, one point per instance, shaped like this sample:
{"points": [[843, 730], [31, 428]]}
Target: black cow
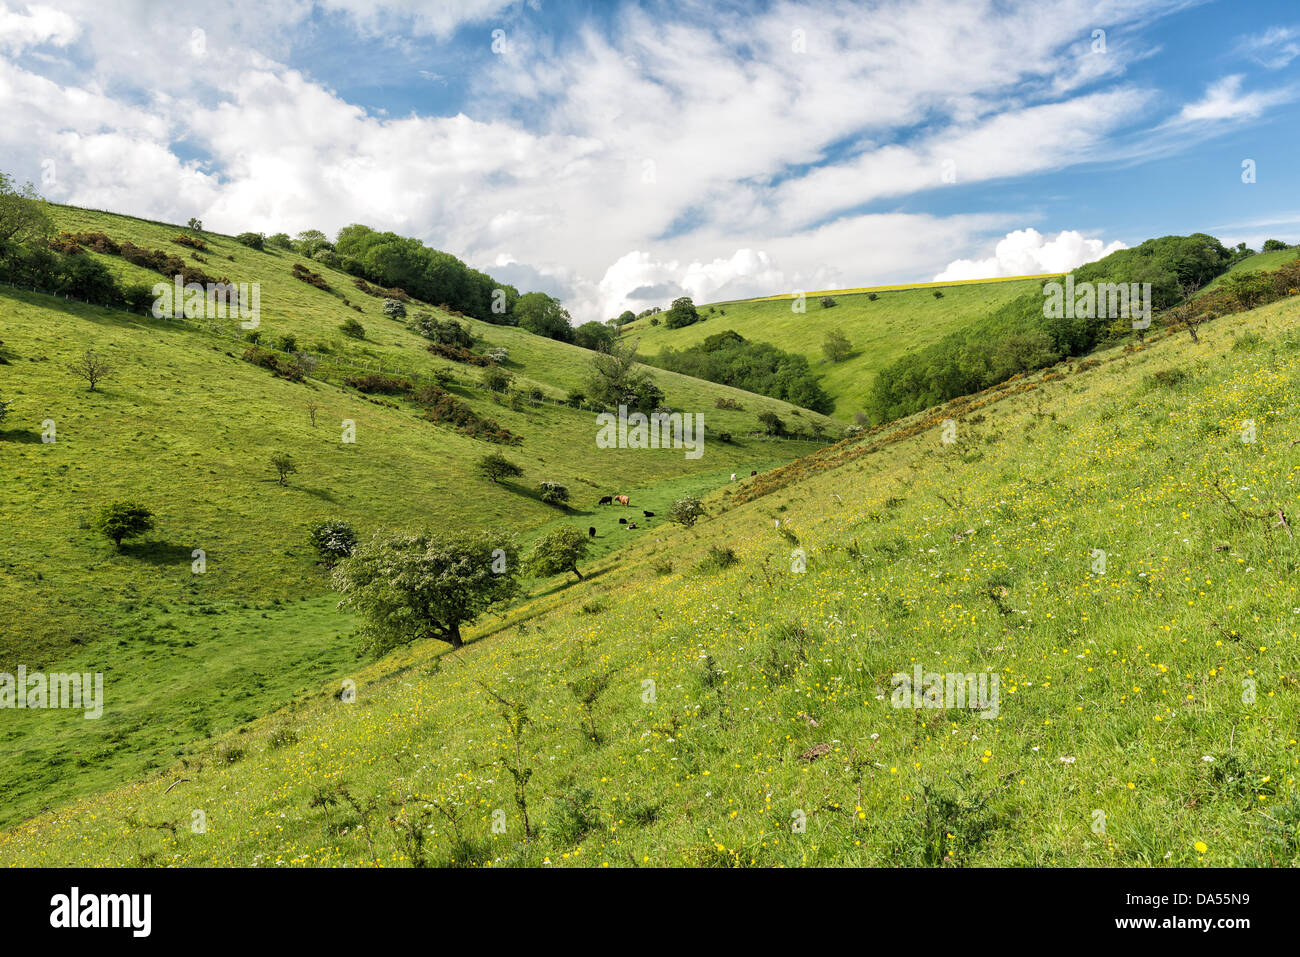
{"points": [[592, 531], [606, 500], [752, 474], [632, 525], [622, 521], [647, 514]]}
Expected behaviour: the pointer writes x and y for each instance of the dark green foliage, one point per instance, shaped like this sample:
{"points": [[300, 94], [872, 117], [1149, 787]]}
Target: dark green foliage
{"points": [[352, 329], [333, 539], [252, 240], [760, 367], [594, 336], [681, 313], [542, 315], [427, 274], [122, 520]]}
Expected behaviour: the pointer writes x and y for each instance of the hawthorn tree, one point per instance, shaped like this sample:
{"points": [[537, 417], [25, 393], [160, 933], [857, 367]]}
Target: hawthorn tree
{"points": [[412, 586], [559, 551], [121, 520], [496, 467]]}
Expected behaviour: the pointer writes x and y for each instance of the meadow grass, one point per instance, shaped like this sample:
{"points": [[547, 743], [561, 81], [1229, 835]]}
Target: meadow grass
{"points": [[187, 428], [897, 322], [742, 712]]}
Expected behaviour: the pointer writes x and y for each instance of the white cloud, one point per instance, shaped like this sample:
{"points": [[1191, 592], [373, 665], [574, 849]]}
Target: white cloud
{"points": [[1224, 100], [39, 25], [1274, 48], [703, 155], [1026, 252]]}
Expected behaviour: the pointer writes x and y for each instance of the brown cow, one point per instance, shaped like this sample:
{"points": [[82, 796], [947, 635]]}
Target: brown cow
{"points": [[621, 499]]}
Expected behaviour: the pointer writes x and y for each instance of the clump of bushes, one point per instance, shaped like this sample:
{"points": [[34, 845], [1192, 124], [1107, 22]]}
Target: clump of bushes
{"points": [[394, 309], [333, 539], [252, 240], [377, 383], [278, 365], [311, 278], [352, 329], [553, 493], [190, 241]]}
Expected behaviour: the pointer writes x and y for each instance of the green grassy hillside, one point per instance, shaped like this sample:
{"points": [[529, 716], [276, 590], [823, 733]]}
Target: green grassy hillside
{"points": [[1100, 537], [899, 320], [188, 428], [1260, 262]]}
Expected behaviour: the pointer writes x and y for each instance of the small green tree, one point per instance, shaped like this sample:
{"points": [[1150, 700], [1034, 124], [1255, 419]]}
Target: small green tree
{"points": [[686, 511], [352, 329], [496, 467], [334, 539], [771, 423], [394, 309], [122, 520], [837, 347], [408, 587], [559, 551], [284, 466], [497, 379], [553, 493]]}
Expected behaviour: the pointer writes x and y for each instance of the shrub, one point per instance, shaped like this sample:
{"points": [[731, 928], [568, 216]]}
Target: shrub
{"points": [[300, 271], [686, 511], [375, 383], [718, 558], [724, 437], [333, 539], [497, 379], [121, 520], [827, 302], [558, 551], [252, 240], [393, 309], [553, 493], [352, 329], [190, 241], [496, 466], [284, 466]]}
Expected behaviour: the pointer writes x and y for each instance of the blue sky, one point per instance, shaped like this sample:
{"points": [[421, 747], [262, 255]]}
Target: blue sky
{"points": [[611, 152]]}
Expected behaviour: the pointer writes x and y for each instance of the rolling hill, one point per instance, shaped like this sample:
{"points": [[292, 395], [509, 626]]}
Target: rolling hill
{"points": [[1107, 538], [188, 428], [898, 320]]}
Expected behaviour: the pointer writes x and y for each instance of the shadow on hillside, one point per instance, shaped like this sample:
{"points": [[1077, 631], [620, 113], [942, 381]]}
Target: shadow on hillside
{"points": [[19, 435], [320, 493], [567, 511], [158, 553]]}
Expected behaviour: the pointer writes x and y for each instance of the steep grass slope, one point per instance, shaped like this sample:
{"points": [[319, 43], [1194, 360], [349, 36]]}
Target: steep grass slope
{"points": [[898, 321], [1113, 540], [188, 429]]}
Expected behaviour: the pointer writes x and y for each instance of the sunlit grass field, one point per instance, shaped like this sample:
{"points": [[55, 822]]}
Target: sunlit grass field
{"points": [[897, 322], [681, 711], [188, 429]]}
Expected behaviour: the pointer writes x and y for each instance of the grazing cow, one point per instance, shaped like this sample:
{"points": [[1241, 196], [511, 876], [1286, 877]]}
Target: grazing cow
{"points": [[753, 473], [647, 514], [621, 499], [622, 521], [631, 525], [592, 531], [733, 476], [606, 500]]}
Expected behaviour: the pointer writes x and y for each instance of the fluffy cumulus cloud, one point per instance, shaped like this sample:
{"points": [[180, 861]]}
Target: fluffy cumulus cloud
{"points": [[616, 162], [1026, 252]]}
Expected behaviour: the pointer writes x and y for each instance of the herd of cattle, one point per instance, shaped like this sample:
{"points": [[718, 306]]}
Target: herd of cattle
{"points": [[623, 500]]}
